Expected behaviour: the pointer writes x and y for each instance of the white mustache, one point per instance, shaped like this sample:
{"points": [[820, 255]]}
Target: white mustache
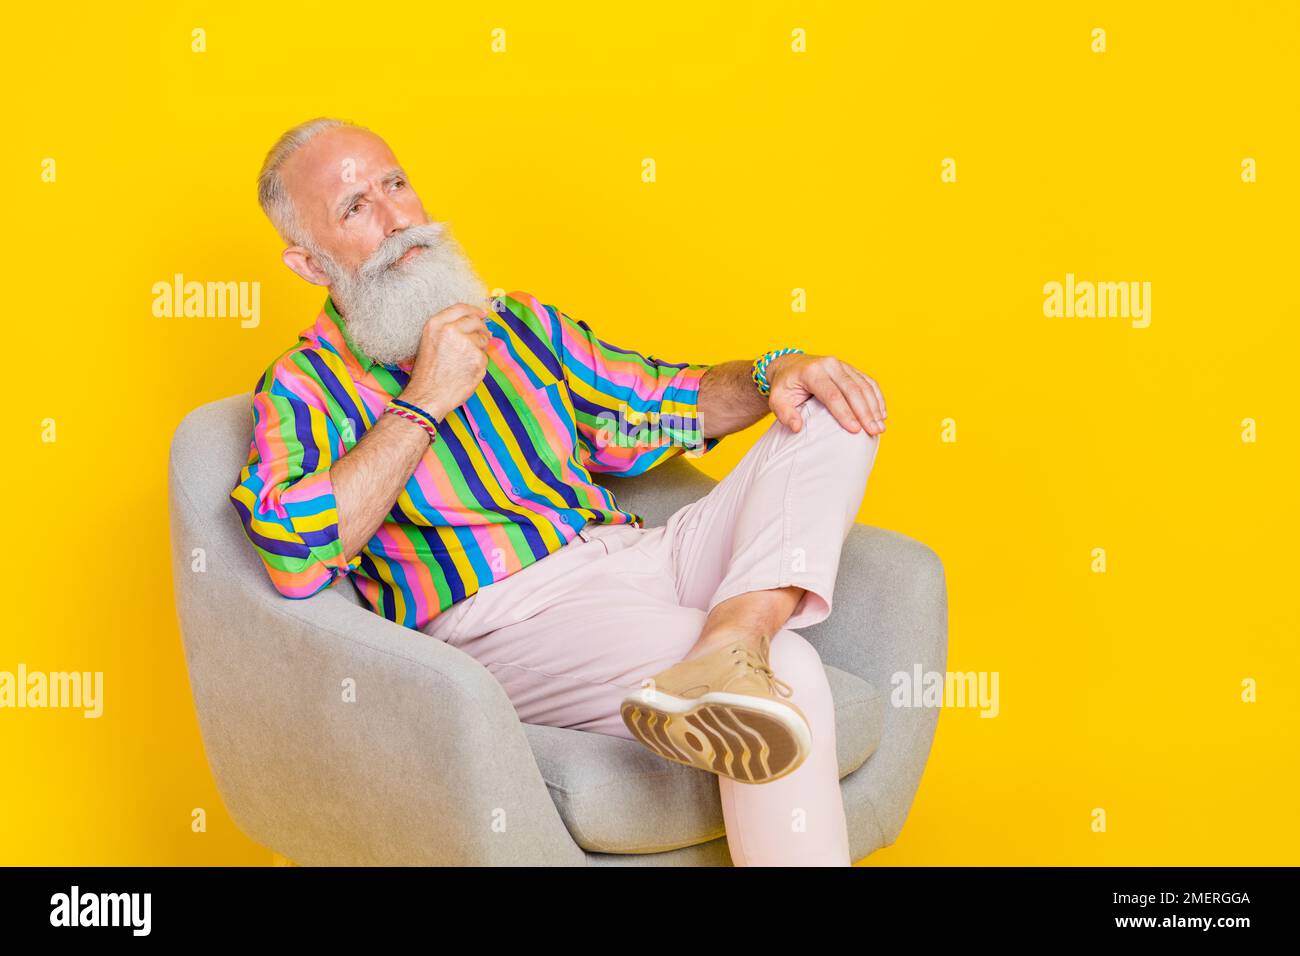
{"points": [[398, 244]]}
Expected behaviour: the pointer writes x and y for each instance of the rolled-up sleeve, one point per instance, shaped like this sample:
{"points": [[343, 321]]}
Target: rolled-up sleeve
{"points": [[632, 411], [285, 497]]}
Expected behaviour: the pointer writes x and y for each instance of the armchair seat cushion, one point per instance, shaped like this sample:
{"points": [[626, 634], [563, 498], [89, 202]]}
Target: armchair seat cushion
{"points": [[615, 796]]}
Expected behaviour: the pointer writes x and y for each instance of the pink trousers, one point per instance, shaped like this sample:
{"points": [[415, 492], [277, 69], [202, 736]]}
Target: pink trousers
{"points": [[572, 634]]}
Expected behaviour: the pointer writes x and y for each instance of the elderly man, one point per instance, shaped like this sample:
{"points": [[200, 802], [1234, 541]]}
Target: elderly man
{"points": [[438, 449]]}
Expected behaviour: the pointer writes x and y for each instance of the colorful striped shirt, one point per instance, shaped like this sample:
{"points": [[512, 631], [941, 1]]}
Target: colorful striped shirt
{"points": [[507, 482]]}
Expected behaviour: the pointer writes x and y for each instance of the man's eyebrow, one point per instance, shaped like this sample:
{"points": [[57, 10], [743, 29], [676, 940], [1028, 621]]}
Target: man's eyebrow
{"points": [[346, 203]]}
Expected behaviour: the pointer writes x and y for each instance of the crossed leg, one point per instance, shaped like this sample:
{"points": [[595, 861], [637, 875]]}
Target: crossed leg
{"points": [[758, 554], [571, 665]]}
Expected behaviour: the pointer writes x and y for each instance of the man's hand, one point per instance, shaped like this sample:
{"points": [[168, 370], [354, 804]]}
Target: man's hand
{"points": [[449, 366], [451, 362], [852, 397]]}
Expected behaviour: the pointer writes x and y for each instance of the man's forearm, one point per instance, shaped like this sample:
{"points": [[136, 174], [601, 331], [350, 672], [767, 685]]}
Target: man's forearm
{"points": [[729, 401], [368, 479]]}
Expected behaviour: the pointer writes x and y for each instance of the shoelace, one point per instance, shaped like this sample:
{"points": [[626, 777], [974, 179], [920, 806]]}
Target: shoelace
{"points": [[780, 686]]}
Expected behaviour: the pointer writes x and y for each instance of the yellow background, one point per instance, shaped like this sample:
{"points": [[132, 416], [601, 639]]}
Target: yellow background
{"points": [[775, 171]]}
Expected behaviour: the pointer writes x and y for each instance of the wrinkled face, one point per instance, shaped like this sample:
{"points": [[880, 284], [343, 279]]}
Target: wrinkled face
{"points": [[351, 194], [389, 266]]}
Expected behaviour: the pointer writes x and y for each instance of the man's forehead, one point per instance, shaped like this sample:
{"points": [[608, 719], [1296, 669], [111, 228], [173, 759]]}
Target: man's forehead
{"points": [[337, 162]]}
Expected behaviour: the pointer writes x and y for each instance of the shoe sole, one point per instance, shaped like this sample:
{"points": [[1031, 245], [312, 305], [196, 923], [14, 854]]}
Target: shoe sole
{"points": [[747, 739]]}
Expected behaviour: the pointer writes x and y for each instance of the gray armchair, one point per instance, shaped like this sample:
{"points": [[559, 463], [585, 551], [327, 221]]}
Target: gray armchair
{"points": [[431, 766]]}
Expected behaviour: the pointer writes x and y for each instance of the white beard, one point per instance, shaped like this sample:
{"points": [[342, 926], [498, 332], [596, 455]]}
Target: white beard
{"points": [[385, 306]]}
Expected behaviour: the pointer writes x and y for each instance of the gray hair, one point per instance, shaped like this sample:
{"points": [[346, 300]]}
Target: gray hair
{"points": [[272, 195]]}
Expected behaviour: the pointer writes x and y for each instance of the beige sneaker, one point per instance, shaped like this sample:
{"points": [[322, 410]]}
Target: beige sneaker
{"points": [[724, 712]]}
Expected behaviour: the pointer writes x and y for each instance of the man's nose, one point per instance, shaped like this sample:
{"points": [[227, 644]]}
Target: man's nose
{"points": [[398, 223], [396, 219]]}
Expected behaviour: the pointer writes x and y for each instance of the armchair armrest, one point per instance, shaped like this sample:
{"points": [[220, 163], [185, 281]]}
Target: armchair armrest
{"points": [[889, 614], [339, 738]]}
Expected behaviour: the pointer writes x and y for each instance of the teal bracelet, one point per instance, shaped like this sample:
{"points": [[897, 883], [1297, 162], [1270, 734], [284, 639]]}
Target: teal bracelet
{"points": [[758, 371]]}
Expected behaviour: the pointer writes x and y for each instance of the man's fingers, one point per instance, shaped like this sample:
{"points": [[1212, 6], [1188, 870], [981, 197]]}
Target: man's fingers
{"points": [[871, 383], [875, 397], [880, 396], [786, 412], [457, 313], [831, 393], [472, 324], [867, 404], [857, 401]]}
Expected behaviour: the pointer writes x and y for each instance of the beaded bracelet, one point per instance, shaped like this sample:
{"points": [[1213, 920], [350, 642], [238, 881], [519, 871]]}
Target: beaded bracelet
{"points": [[758, 371], [413, 413]]}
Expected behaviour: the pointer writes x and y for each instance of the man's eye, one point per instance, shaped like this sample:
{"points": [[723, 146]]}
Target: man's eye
{"points": [[399, 183], [353, 211]]}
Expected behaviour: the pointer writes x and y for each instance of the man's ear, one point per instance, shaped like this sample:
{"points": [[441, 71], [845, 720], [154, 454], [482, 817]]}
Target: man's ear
{"points": [[302, 262]]}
